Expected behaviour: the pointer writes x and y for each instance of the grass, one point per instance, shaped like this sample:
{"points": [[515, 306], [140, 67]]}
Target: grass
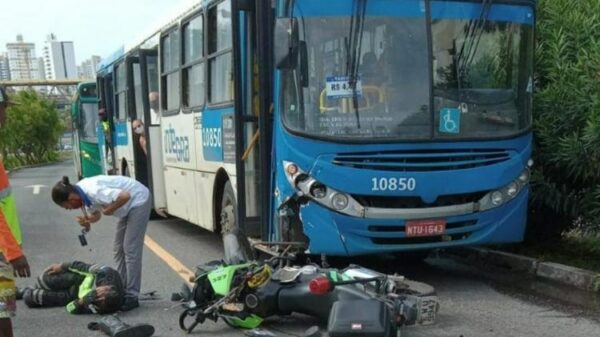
{"points": [[574, 250]]}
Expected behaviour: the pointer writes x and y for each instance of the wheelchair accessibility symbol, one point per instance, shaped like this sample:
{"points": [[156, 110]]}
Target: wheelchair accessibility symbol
{"points": [[450, 120]]}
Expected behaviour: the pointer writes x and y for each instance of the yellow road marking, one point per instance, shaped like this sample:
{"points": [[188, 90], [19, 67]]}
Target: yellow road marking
{"points": [[169, 259]]}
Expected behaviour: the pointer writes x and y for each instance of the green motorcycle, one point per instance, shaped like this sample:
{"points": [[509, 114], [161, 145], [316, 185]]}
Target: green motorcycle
{"points": [[355, 301]]}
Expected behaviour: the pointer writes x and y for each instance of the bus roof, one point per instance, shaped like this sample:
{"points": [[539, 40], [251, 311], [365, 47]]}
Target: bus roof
{"points": [[83, 88], [151, 38], [108, 61]]}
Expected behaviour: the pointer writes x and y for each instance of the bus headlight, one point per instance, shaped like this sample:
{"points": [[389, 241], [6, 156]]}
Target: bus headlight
{"points": [[318, 190], [512, 189], [339, 201], [505, 194], [524, 177], [291, 169], [305, 185], [497, 198], [298, 178]]}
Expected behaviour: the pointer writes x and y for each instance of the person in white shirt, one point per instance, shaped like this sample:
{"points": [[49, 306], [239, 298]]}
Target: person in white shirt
{"points": [[124, 198]]}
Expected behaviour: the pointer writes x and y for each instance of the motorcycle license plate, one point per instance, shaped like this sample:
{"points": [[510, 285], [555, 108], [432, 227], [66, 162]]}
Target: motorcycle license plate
{"points": [[428, 308], [416, 228]]}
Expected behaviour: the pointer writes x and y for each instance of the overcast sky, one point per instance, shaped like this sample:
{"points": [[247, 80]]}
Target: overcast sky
{"points": [[96, 27]]}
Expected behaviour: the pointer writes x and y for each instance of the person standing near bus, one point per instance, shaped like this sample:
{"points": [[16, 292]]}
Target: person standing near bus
{"points": [[124, 198], [108, 146], [12, 260], [138, 129], [154, 107]]}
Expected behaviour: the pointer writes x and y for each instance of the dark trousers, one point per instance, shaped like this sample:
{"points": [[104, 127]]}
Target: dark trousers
{"points": [[54, 290]]}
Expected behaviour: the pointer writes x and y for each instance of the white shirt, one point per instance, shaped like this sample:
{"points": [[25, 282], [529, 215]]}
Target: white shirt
{"points": [[104, 190]]}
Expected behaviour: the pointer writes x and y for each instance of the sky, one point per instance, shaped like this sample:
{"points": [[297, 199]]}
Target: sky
{"points": [[96, 27]]}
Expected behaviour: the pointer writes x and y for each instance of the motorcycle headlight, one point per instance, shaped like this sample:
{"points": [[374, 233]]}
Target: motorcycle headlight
{"points": [[339, 201]]}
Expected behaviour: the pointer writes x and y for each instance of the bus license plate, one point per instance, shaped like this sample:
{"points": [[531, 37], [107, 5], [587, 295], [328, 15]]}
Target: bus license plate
{"points": [[416, 228], [428, 308]]}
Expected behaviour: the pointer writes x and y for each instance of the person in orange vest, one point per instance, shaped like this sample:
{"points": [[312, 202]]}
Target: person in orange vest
{"points": [[12, 261]]}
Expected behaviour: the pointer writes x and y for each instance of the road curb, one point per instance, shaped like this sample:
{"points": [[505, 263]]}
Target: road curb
{"points": [[19, 168], [548, 271]]}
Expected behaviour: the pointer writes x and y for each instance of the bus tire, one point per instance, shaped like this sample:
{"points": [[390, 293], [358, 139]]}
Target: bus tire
{"points": [[236, 246]]}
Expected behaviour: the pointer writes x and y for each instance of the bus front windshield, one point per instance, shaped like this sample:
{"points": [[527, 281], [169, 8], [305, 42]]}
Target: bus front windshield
{"points": [[383, 71]]}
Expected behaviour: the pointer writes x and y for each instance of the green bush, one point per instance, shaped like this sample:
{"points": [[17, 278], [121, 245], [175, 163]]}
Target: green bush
{"points": [[32, 130], [566, 177]]}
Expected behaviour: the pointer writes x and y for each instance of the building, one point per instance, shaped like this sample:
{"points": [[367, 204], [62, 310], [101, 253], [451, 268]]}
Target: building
{"points": [[89, 67], [59, 59], [22, 62], [4, 67], [41, 71]]}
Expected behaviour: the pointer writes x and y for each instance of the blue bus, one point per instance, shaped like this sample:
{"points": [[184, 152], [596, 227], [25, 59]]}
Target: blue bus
{"points": [[340, 127]]}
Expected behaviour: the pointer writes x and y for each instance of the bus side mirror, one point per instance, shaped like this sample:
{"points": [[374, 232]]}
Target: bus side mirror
{"points": [[286, 43]]}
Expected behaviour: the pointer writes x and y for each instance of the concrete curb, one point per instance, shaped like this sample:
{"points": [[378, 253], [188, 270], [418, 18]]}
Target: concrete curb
{"points": [[548, 271], [19, 168]]}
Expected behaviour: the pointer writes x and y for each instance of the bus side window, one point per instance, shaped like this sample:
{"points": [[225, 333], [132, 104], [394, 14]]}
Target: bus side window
{"points": [[193, 66], [170, 72], [121, 92], [220, 42]]}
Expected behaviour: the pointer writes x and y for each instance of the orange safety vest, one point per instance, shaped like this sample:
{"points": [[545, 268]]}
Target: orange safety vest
{"points": [[10, 233]]}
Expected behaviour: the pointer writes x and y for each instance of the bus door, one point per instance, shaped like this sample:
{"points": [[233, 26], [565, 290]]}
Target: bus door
{"points": [[137, 112], [150, 100], [123, 138], [76, 139], [105, 96], [251, 153], [122, 133]]}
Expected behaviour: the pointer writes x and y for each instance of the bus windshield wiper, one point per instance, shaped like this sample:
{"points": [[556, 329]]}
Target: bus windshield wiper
{"points": [[475, 31], [353, 50]]}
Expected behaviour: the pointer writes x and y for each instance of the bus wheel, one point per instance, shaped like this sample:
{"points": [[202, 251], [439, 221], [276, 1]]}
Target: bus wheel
{"points": [[235, 243]]}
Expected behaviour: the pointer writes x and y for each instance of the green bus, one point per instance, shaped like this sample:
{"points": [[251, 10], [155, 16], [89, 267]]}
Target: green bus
{"points": [[84, 113]]}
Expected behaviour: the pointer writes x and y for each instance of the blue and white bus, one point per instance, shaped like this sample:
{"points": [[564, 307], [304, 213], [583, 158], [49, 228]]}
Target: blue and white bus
{"points": [[344, 127]]}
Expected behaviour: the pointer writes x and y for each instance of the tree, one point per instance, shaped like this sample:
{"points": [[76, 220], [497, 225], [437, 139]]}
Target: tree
{"points": [[32, 130], [566, 178]]}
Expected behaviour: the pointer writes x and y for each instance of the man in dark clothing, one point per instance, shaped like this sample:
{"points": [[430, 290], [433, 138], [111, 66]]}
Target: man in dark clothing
{"points": [[81, 287]]}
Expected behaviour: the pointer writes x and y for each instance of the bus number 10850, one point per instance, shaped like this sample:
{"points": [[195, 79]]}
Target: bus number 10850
{"points": [[394, 184]]}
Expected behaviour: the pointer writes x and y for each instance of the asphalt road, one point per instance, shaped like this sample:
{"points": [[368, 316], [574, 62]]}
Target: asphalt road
{"points": [[470, 307]]}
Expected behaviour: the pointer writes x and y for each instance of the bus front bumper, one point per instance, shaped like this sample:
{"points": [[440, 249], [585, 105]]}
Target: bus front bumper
{"points": [[337, 234]]}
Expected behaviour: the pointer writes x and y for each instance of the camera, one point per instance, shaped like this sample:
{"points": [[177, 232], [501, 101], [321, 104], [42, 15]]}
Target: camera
{"points": [[82, 238]]}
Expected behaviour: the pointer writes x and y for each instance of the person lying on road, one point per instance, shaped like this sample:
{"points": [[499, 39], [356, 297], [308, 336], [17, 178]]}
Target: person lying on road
{"points": [[81, 287]]}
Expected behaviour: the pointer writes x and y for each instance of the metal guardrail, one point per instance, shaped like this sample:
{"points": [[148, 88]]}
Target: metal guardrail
{"points": [[34, 83]]}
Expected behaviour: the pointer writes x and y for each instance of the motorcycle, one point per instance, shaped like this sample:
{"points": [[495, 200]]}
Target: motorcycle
{"points": [[354, 301]]}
